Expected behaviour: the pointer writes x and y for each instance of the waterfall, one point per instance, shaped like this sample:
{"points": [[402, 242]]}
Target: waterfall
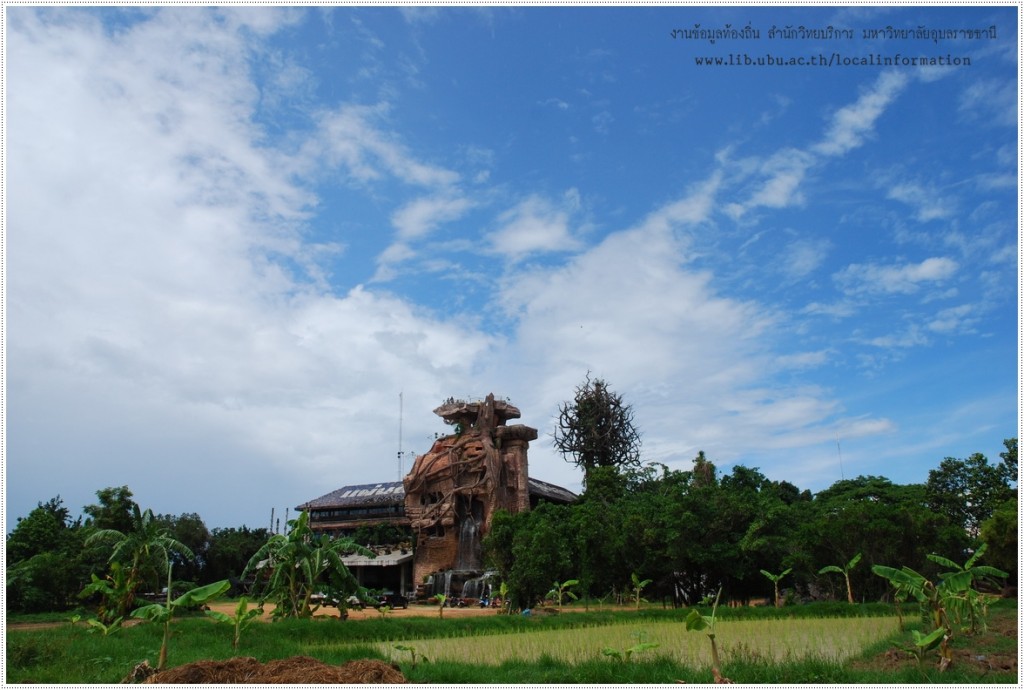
{"points": [[469, 546], [477, 587], [469, 557]]}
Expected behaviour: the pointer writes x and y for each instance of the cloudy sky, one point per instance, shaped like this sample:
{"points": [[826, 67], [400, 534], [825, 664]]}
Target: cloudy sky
{"points": [[239, 241]]}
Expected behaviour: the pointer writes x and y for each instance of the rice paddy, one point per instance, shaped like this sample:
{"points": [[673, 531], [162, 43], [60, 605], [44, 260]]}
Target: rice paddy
{"points": [[825, 639]]}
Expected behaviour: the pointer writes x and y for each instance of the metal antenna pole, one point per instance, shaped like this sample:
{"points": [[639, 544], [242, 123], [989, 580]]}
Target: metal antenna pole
{"points": [[400, 411], [839, 448]]}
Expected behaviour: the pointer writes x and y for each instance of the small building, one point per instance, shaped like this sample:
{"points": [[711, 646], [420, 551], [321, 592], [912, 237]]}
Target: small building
{"points": [[446, 501]]}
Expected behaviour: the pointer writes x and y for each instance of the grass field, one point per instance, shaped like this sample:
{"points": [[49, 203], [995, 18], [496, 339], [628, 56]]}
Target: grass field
{"points": [[772, 641], [800, 644]]}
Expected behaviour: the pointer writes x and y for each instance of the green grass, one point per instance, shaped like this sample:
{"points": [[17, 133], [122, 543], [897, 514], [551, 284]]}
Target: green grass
{"points": [[70, 654], [767, 641]]}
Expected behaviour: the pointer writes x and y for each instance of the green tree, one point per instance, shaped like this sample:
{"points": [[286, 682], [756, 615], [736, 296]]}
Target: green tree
{"points": [[190, 530], [529, 548], [1000, 532], [968, 491], [143, 552], [45, 560], [113, 511], [290, 568], [382, 533], [596, 430], [886, 522], [38, 532], [1008, 467], [230, 550]]}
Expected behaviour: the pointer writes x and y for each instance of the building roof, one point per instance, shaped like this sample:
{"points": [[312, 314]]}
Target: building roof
{"points": [[550, 491], [381, 493], [388, 493]]}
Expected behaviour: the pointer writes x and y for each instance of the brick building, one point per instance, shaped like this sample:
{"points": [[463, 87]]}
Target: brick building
{"points": [[447, 499]]}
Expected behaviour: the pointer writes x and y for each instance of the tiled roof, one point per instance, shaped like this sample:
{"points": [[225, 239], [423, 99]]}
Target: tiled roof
{"points": [[381, 493], [386, 493], [550, 491]]}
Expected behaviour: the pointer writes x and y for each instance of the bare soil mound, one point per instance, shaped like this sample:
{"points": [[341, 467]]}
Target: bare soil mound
{"points": [[296, 670]]}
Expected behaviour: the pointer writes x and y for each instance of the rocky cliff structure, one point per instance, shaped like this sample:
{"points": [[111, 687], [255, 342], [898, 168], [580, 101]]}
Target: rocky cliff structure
{"points": [[447, 500], [453, 490]]}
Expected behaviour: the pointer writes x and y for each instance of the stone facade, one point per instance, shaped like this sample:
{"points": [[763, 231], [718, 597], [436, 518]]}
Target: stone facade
{"points": [[453, 490]]}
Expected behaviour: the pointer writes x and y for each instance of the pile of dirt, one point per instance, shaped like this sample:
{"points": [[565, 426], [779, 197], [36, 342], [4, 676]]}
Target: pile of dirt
{"points": [[297, 670]]}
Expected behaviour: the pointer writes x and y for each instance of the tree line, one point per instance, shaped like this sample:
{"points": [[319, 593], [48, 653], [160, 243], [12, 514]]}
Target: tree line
{"points": [[694, 531], [690, 532], [52, 556]]}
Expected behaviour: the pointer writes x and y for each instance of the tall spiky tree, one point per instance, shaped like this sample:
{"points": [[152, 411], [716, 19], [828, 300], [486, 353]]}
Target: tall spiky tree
{"points": [[595, 431]]}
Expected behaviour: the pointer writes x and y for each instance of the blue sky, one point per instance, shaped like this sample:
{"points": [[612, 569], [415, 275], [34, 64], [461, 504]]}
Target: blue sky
{"points": [[237, 238]]}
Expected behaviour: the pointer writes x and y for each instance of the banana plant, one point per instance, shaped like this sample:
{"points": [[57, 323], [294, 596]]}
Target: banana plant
{"points": [[932, 599], [925, 643], [107, 630], [963, 601], [845, 571], [695, 620], [775, 580], [291, 568], [626, 655], [244, 616], [638, 587], [560, 590], [164, 613], [506, 605], [440, 599], [412, 650]]}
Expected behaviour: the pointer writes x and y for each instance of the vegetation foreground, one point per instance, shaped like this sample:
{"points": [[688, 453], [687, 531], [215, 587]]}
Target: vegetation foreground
{"points": [[832, 643]]}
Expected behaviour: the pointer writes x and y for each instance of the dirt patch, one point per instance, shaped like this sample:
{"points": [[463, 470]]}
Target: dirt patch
{"points": [[974, 652], [296, 670], [369, 613]]}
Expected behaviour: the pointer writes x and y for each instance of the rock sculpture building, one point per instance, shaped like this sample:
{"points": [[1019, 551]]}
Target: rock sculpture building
{"points": [[447, 499]]}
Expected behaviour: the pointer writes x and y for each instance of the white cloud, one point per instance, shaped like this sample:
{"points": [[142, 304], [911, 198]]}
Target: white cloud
{"points": [[351, 138], [990, 101], [696, 365], [421, 216], [802, 257], [156, 315], [931, 204], [895, 278], [783, 172], [851, 124], [536, 225], [779, 177], [954, 319], [840, 309]]}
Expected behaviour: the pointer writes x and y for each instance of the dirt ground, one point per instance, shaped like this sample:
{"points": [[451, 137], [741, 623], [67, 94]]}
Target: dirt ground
{"points": [[368, 613], [302, 670]]}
